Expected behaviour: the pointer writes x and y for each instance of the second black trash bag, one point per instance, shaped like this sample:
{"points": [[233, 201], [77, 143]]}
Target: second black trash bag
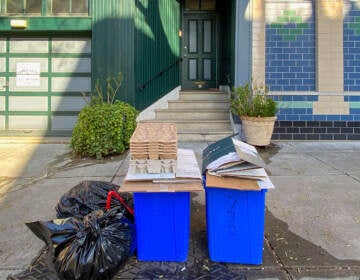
{"points": [[88, 196], [93, 248]]}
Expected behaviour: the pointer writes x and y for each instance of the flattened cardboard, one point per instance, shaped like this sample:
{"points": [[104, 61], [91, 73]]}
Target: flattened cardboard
{"points": [[231, 183], [167, 186]]}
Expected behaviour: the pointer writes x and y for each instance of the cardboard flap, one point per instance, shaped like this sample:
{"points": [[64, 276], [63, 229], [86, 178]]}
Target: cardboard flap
{"points": [[231, 183], [166, 186]]}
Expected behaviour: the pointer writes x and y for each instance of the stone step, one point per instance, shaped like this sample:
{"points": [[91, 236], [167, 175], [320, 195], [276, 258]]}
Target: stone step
{"points": [[200, 126], [203, 95], [199, 137], [199, 115], [190, 114], [198, 104]]}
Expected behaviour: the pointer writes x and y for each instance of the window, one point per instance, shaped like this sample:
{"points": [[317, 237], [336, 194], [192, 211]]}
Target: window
{"points": [[200, 5], [69, 7], [44, 7], [23, 7]]}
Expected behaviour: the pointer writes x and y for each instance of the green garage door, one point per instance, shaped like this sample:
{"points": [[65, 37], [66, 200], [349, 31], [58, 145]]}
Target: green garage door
{"points": [[41, 84]]}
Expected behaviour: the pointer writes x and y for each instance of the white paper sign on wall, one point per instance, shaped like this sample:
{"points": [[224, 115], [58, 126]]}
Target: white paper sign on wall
{"points": [[28, 74]]}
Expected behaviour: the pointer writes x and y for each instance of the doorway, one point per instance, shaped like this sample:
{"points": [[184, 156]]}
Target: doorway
{"points": [[200, 46]]}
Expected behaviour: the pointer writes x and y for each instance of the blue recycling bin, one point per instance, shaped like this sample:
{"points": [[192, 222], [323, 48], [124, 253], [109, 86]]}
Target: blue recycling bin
{"points": [[163, 226], [235, 225]]}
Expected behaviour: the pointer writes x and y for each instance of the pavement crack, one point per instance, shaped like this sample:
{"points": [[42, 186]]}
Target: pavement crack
{"points": [[282, 266], [333, 167]]}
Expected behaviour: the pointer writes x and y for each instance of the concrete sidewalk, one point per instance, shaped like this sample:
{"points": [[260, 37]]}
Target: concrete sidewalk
{"points": [[312, 221]]}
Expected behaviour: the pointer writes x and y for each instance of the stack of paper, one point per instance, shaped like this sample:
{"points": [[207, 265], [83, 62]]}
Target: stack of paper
{"points": [[231, 163]]}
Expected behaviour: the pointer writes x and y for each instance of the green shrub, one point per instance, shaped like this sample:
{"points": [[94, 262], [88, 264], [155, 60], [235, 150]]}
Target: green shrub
{"points": [[105, 126]]}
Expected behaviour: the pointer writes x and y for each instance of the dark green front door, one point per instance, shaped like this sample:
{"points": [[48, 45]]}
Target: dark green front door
{"points": [[199, 51]]}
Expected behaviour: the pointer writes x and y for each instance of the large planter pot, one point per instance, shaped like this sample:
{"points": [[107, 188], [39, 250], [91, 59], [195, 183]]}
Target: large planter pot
{"points": [[258, 130]]}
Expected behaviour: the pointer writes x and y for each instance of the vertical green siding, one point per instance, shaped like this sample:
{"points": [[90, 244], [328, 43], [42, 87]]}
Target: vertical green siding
{"points": [[113, 43], [157, 45]]}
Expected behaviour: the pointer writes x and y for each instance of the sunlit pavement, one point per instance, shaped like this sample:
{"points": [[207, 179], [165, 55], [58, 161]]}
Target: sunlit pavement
{"points": [[312, 225]]}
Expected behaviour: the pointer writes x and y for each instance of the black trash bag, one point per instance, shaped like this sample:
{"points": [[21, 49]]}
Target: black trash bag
{"points": [[88, 196], [93, 248]]}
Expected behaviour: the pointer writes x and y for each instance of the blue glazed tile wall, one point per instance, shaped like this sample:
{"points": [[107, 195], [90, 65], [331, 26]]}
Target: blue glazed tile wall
{"points": [[290, 53], [296, 121], [352, 49], [300, 108]]}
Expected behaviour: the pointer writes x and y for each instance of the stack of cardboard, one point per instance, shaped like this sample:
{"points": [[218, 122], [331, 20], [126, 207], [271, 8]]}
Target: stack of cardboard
{"points": [[231, 163], [153, 151], [157, 165], [154, 141]]}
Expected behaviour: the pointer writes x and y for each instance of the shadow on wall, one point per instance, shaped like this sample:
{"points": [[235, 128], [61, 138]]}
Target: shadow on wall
{"points": [[140, 47]]}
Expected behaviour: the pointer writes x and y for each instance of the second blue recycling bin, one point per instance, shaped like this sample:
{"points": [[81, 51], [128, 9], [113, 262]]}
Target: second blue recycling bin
{"points": [[235, 225]]}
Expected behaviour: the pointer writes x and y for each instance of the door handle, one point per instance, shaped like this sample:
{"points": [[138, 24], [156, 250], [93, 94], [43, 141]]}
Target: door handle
{"points": [[185, 52]]}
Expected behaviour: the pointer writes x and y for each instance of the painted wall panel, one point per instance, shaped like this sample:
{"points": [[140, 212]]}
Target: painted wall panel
{"points": [[28, 122], [2, 122], [63, 122], [76, 65], [13, 61], [2, 84], [62, 103], [26, 45], [69, 60], [71, 84], [42, 87], [2, 64], [28, 103], [2, 103], [2, 45], [67, 45]]}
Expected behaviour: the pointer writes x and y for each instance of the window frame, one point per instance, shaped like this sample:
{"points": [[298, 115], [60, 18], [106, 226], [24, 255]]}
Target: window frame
{"points": [[45, 11]]}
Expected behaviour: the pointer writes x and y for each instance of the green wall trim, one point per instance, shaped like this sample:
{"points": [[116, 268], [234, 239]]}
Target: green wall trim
{"points": [[294, 104], [289, 13], [44, 24], [354, 105]]}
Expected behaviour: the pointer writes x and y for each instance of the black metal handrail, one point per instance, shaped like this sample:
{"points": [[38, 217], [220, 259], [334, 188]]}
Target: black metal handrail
{"points": [[144, 85]]}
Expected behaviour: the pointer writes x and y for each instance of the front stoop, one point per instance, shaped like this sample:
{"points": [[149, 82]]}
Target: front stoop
{"points": [[199, 115]]}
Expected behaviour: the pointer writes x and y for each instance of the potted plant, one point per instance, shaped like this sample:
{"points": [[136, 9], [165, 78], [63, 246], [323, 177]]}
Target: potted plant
{"points": [[256, 111]]}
